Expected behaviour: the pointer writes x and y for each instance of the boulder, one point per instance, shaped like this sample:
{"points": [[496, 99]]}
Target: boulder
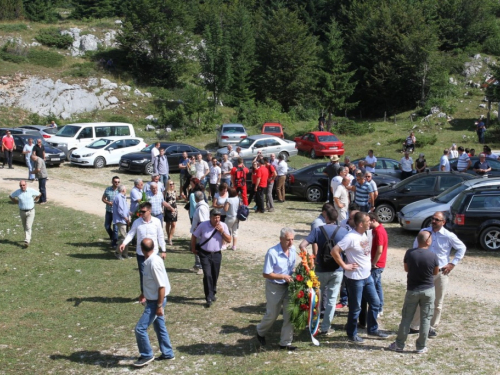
{"points": [[89, 42], [138, 92], [93, 82], [125, 88], [113, 100]]}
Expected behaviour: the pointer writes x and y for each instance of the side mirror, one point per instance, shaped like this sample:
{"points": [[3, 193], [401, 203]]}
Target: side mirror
{"points": [[406, 190]]}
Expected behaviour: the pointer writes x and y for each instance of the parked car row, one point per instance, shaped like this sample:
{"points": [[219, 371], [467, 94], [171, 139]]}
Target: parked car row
{"points": [[53, 156]]}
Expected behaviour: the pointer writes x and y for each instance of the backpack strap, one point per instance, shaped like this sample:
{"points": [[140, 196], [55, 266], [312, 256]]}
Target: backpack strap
{"points": [[326, 234], [208, 239]]}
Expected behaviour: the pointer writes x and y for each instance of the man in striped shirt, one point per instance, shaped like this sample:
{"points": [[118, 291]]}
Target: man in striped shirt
{"points": [[463, 163], [363, 194], [25, 197]]}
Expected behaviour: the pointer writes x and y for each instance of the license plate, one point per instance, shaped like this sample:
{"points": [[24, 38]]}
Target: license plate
{"points": [[123, 164], [55, 159], [333, 148]]}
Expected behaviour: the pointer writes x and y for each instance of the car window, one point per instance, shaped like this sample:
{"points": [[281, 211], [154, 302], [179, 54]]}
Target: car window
{"points": [[494, 164], [425, 184], [379, 165], [449, 181], [118, 144], [100, 143], [260, 144], [185, 148], [272, 129], [131, 142], [319, 170], [18, 141], [390, 164], [171, 150], [450, 193], [484, 203], [273, 142], [327, 138], [311, 138], [245, 143], [86, 133], [233, 129], [100, 131]]}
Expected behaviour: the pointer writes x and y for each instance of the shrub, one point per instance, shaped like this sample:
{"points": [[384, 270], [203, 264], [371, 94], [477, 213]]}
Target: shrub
{"points": [[349, 127], [118, 118], [52, 37], [12, 28], [45, 58], [83, 70], [10, 57], [255, 114]]}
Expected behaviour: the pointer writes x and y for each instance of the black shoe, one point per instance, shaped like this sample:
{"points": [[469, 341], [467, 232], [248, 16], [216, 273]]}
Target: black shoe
{"points": [[143, 361], [432, 333], [378, 334], [208, 304], [290, 348], [164, 358], [214, 299], [262, 340], [361, 326], [414, 331], [355, 339]]}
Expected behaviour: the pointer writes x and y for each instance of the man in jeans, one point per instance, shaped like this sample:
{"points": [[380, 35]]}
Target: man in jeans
{"points": [[359, 281], [330, 277], [156, 289], [107, 198], [121, 214], [422, 266]]}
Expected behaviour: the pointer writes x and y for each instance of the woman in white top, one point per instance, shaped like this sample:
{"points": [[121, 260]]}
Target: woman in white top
{"points": [[453, 152], [220, 199], [231, 207]]}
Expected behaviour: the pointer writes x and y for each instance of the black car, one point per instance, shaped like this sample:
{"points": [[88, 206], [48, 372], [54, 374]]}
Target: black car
{"points": [[494, 164], [419, 186], [475, 216], [13, 131], [385, 166], [53, 156], [141, 161], [310, 182]]}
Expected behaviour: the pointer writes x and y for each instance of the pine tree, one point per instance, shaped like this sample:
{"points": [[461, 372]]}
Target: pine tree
{"points": [[40, 10], [11, 10]]}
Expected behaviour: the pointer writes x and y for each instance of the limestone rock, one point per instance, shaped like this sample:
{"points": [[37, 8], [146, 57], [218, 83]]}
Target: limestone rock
{"points": [[113, 100]]}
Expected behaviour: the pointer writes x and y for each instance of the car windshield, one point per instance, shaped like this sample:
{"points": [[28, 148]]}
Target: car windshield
{"points": [[100, 143], [450, 193], [272, 129], [50, 130], [246, 143], [148, 148], [68, 131], [327, 138], [233, 129]]}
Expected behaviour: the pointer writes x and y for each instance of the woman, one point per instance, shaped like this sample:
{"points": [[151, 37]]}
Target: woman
{"points": [[170, 212], [220, 199], [195, 185], [409, 143], [421, 164], [231, 207], [255, 167]]}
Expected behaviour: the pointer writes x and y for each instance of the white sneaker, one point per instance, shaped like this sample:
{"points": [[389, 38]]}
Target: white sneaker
{"points": [[422, 351]]}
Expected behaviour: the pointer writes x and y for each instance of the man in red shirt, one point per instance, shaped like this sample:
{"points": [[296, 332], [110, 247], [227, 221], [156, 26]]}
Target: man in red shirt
{"points": [[380, 241], [8, 146], [238, 179], [270, 183], [261, 185]]}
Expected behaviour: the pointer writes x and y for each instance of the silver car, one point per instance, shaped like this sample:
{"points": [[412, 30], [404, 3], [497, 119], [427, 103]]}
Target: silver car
{"points": [[45, 131], [265, 144], [417, 215], [230, 134]]}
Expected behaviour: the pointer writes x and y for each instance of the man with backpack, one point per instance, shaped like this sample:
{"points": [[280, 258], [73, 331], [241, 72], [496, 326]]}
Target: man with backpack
{"points": [[329, 273], [238, 180]]}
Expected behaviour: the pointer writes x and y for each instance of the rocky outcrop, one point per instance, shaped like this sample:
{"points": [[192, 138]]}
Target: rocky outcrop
{"points": [[89, 42]]}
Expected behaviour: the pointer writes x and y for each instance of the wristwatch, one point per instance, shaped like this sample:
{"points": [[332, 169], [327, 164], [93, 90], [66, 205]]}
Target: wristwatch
{"points": [[159, 305]]}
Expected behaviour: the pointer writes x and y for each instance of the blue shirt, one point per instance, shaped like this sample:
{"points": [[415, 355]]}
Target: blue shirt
{"points": [[316, 236], [135, 197], [156, 202], [26, 198], [277, 262], [362, 193], [110, 195], [120, 209]]}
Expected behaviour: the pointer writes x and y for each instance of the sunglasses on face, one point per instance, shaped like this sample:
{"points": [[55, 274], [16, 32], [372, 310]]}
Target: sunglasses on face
{"points": [[143, 212]]}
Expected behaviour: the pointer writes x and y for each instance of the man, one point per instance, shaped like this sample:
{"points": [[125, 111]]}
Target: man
{"points": [[363, 194], [270, 183], [261, 185], [361, 166], [442, 242], [347, 161], [336, 181], [157, 201], [8, 146], [359, 282], [226, 167], [238, 151], [156, 288], [136, 195], [155, 178], [201, 214], [25, 197], [27, 151], [480, 130], [202, 169], [145, 227], [369, 179], [214, 177], [161, 167], [53, 124], [183, 173], [329, 277], [489, 154], [341, 199], [481, 167], [279, 265], [155, 152], [422, 266], [406, 165], [210, 235], [464, 162], [370, 162], [281, 171], [238, 180], [39, 149], [108, 198], [121, 214], [444, 163], [332, 170], [320, 220], [233, 155], [40, 170]]}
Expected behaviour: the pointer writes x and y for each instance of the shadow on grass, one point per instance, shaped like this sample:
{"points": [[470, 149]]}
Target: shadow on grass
{"points": [[93, 358], [99, 244], [19, 244], [108, 256], [78, 301], [200, 301], [179, 270], [251, 309], [240, 349]]}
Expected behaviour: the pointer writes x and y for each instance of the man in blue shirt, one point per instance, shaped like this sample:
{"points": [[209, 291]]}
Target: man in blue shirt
{"points": [[26, 197], [364, 196], [121, 219], [278, 268], [108, 198]]}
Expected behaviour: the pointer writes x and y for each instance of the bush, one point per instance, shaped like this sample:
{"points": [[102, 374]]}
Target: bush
{"points": [[83, 70], [255, 114], [12, 28], [118, 118], [45, 58], [10, 57], [52, 37], [349, 127]]}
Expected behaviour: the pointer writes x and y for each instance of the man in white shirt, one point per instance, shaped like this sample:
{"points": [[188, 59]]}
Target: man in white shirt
{"points": [[202, 169], [155, 151], [406, 165], [156, 288], [359, 281], [464, 162], [201, 214], [281, 170], [214, 177], [371, 162], [233, 155], [341, 199], [442, 242], [444, 163]]}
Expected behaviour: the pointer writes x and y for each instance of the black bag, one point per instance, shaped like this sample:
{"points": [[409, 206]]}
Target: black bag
{"points": [[187, 206], [199, 245], [242, 213], [325, 258]]}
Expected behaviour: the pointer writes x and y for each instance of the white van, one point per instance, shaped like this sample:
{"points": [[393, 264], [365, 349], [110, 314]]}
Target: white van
{"points": [[73, 136]]}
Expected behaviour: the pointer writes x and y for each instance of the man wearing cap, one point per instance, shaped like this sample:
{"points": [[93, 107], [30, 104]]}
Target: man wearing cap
{"points": [[211, 235], [8, 146], [25, 197]]}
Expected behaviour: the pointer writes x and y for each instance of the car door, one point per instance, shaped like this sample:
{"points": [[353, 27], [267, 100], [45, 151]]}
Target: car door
{"points": [[301, 143], [17, 154], [273, 146], [259, 146], [417, 189], [114, 151], [390, 168], [173, 153], [320, 177]]}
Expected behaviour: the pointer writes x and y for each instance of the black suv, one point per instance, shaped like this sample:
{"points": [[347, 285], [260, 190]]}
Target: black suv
{"points": [[475, 214]]}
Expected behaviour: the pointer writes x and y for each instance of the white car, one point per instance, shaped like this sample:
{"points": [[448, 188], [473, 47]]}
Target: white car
{"points": [[106, 151], [417, 215], [266, 144]]}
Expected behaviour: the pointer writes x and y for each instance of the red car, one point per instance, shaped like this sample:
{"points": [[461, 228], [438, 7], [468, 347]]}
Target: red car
{"points": [[319, 144], [273, 128]]}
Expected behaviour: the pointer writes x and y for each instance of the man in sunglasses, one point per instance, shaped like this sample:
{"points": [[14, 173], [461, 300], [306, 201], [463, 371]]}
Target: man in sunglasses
{"points": [[442, 242], [108, 198]]}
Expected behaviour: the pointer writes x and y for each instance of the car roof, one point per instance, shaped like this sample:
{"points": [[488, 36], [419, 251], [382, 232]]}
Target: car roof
{"points": [[320, 133], [272, 124], [116, 138], [262, 136], [232, 124], [34, 126]]}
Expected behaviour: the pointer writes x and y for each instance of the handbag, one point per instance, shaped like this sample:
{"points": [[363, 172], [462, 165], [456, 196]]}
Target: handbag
{"points": [[199, 245], [187, 206]]}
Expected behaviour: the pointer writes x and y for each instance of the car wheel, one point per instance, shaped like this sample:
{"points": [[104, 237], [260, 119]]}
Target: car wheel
{"points": [[99, 162], [490, 239], [427, 223], [148, 168], [385, 213], [313, 154], [314, 194], [284, 154]]}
